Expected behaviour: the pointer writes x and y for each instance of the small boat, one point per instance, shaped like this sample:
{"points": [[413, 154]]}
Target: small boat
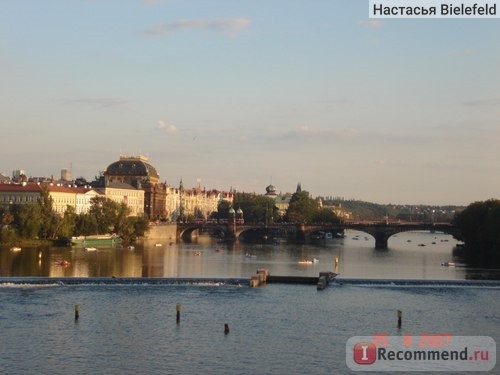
{"points": [[90, 249], [421, 244], [309, 261], [448, 264], [63, 263], [158, 245], [15, 248], [219, 250], [130, 247], [248, 255], [197, 253]]}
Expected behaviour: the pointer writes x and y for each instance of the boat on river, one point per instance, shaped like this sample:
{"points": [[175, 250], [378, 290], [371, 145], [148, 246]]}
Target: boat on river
{"points": [[448, 264], [309, 261], [103, 240], [15, 249]]}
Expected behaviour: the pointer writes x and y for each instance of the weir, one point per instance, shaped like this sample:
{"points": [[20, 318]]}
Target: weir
{"points": [[240, 282]]}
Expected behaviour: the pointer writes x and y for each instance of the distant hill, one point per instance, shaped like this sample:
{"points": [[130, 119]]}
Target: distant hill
{"points": [[419, 213]]}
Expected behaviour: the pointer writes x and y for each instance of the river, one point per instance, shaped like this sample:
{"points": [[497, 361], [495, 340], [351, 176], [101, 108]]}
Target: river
{"points": [[129, 327]]}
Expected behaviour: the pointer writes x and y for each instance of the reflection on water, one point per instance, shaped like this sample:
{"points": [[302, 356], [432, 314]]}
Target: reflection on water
{"points": [[414, 255]]}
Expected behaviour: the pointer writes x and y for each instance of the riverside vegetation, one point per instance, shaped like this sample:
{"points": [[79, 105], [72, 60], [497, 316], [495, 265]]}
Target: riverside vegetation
{"points": [[31, 224]]}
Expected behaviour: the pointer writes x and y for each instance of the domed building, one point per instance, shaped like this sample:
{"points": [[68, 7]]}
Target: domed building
{"points": [[133, 170], [271, 191], [136, 172]]}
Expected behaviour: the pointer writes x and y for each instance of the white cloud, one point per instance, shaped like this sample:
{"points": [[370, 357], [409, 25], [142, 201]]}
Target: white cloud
{"points": [[228, 26], [167, 128]]}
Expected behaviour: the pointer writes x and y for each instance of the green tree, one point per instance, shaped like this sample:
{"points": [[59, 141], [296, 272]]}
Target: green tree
{"points": [[302, 208], [85, 224], [68, 223], [132, 228], [105, 212], [325, 215], [222, 210], [479, 228], [256, 208], [28, 220], [50, 219]]}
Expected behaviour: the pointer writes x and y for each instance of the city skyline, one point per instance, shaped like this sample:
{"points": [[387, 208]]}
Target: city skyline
{"points": [[240, 94]]}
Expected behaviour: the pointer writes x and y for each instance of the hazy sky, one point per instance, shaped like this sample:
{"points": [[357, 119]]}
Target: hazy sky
{"points": [[239, 93]]}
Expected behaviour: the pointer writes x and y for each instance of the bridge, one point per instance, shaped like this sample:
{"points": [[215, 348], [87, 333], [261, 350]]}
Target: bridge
{"points": [[381, 231]]}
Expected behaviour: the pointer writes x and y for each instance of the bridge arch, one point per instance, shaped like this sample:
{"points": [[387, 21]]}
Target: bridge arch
{"points": [[383, 231]]}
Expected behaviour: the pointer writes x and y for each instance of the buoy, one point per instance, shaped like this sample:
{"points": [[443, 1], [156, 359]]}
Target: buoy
{"points": [[178, 310], [226, 328], [77, 312], [400, 315]]}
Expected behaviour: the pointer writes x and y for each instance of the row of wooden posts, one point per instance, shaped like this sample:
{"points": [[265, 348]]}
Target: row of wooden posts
{"points": [[178, 309]]}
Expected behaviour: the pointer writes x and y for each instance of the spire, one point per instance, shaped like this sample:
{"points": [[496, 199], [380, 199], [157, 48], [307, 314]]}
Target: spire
{"points": [[299, 188]]}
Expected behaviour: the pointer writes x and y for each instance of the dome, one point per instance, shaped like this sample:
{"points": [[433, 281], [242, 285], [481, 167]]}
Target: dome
{"points": [[270, 189], [132, 170], [132, 166]]}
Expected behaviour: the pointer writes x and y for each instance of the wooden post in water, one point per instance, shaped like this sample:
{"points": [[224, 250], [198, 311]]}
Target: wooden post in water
{"points": [[178, 311], [400, 316], [226, 328], [77, 312]]}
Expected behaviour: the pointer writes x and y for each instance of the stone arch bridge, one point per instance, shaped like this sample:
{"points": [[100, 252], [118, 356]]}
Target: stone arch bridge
{"points": [[381, 231]]}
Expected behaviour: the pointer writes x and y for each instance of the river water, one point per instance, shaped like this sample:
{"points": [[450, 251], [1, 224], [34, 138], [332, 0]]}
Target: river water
{"points": [[127, 324]]}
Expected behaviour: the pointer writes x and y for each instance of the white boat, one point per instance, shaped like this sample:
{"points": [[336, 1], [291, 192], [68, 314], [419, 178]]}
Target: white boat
{"points": [[309, 261], [158, 244], [15, 248], [448, 264], [90, 249]]}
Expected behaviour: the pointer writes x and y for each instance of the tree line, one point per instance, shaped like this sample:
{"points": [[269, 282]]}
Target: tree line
{"points": [[39, 221], [261, 209], [479, 229]]}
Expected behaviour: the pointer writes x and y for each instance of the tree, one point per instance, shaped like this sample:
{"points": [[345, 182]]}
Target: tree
{"points": [[256, 208], [50, 219], [105, 212], [302, 208], [85, 224], [479, 228], [325, 215], [28, 220], [68, 223]]}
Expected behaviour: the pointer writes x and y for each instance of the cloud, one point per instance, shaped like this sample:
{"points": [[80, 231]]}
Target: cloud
{"points": [[99, 102], [228, 26], [167, 128]]}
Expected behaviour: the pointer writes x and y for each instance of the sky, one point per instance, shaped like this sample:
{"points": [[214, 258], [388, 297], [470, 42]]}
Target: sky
{"points": [[243, 93]]}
